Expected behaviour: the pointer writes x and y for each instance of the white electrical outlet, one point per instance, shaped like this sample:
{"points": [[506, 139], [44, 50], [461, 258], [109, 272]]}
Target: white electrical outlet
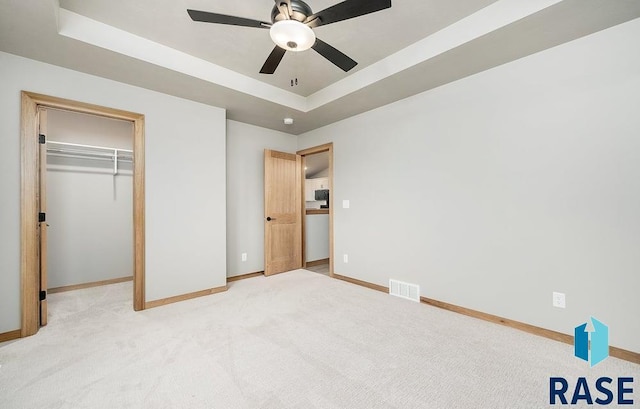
{"points": [[345, 258], [244, 256], [559, 300]]}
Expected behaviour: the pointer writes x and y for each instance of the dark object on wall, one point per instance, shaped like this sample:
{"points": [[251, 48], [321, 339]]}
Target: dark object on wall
{"points": [[323, 194]]}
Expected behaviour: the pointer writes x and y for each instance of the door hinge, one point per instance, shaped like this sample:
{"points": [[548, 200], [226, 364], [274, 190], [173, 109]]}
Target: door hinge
{"points": [[42, 217], [42, 139], [43, 295]]}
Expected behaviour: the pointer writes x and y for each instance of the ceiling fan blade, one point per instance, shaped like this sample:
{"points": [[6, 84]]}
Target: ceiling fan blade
{"points": [[333, 55], [207, 17], [273, 61], [346, 10], [285, 8]]}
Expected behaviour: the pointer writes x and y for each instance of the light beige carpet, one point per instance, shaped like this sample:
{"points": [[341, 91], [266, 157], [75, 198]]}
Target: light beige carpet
{"points": [[295, 340]]}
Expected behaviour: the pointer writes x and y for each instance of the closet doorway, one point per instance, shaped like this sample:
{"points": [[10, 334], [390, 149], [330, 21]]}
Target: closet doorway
{"points": [[317, 221], [89, 197], [70, 161]]}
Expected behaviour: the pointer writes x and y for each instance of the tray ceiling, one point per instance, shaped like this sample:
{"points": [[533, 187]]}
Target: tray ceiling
{"points": [[412, 47]]}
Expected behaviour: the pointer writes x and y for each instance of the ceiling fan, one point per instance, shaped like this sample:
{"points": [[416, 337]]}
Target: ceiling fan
{"points": [[291, 27]]}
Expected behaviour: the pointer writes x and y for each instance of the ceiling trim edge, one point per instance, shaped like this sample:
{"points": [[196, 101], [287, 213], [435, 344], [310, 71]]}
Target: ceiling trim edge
{"points": [[102, 35], [484, 21]]}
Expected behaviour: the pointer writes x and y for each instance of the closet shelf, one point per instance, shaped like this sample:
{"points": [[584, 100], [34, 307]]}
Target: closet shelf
{"points": [[79, 151]]}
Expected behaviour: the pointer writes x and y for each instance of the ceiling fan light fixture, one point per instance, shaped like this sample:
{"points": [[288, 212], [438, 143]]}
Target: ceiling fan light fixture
{"points": [[292, 35]]}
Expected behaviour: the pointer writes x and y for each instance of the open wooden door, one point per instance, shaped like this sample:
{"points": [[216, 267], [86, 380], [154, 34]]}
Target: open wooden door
{"points": [[42, 218], [282, 212]]}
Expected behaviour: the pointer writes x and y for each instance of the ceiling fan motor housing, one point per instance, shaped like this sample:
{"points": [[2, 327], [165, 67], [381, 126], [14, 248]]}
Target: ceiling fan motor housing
{"points": [[301, 11]]}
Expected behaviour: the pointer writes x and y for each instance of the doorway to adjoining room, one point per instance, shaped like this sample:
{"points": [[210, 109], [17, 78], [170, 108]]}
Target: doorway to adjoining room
{"points": [[318, 210]]}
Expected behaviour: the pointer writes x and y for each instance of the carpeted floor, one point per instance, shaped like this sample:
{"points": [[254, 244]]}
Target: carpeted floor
{"points": [[295, 340]]}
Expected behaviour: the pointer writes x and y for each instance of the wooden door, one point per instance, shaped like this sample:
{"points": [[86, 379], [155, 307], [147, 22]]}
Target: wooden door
{"points": [[282, 212], [42, 202]]}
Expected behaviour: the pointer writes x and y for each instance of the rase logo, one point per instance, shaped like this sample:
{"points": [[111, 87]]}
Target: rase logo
{"points": [[595, 352], [599, 342]]}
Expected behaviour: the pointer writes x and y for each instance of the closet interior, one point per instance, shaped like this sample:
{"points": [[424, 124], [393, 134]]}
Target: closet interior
{"points": [[89, 188]]}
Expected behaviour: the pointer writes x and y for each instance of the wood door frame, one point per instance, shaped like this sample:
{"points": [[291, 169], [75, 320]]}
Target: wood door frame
{"points": [[42, 197], [327, 147], [29, 182]]}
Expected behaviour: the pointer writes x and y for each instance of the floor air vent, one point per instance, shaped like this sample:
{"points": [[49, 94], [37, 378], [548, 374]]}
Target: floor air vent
{"points": [[404, 290]]}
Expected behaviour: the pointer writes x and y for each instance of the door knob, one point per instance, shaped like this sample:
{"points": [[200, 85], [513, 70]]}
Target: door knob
{"points": [[268, 219]]}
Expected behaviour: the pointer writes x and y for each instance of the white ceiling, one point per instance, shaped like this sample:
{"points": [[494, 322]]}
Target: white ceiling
{"points": [[412, 47]]}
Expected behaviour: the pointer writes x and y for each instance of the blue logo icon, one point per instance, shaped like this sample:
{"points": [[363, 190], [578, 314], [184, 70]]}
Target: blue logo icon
{"points": [[599, 342]]}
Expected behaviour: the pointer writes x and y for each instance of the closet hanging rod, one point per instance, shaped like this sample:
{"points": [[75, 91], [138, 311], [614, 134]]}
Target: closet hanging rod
{"points": [[78, 145], [89, 152], [92, 157]]}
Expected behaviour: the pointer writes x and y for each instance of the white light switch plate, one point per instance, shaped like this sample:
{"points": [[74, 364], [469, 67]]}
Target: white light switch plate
{"points": [[345, 204]]}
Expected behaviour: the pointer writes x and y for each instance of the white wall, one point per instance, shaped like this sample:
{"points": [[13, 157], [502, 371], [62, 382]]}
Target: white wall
{"points": [[245, 192], [89, 210], [494, 191], [316, 237], [185, 179]]}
